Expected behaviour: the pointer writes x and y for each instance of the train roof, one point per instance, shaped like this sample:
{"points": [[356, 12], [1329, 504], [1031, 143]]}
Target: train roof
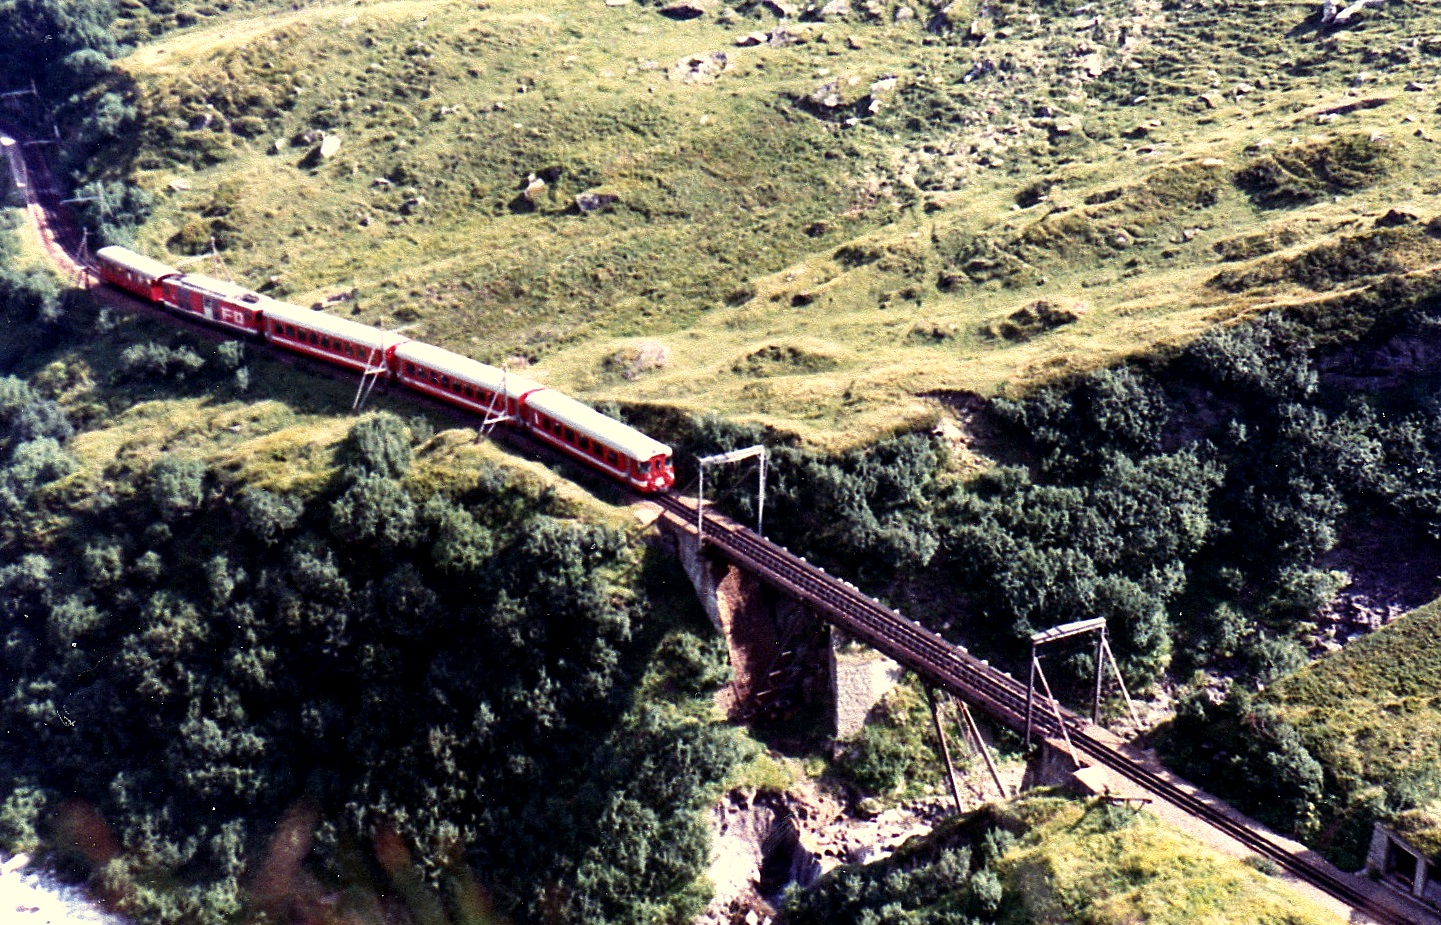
{"points": [[461, 367], [146, 266], [322, 323], [597, 426]]}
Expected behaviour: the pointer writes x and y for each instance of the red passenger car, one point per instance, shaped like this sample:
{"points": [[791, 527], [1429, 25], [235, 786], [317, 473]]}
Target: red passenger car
{"points": [[602, 442], [135, 273], [216, 300], [336, 340], [471, 384]]}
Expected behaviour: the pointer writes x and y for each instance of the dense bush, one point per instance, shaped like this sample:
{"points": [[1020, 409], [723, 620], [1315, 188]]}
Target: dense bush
{"points": [[458, 672], [63, 46], [157, 361], [1243, 751]]}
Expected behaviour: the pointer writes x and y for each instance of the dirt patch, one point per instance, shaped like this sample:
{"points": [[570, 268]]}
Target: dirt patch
{"points": [[763, 842], [1384, 583], [1397, 362], [978, 439], [1035, 319]]}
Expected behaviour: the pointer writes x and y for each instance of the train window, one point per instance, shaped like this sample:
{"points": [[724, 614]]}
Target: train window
{"points": [[434, 376], [585, 444], [410, 369], [469, 392], [314, 339], [325, 342], [645, 468], [570, 435], [445, 382], [612, 457]]}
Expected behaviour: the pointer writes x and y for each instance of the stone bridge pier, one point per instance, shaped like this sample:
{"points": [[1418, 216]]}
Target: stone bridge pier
{"points": [[784, 658]]}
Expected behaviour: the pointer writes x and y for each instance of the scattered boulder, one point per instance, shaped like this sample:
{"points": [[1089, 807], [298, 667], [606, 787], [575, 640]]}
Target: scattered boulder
{"points": [[703, 68], [1396, 217], [835, 9], [632, 361], [781, 9], [329, 146], [687, 9], [752, 39], [594, 202], [535, 187]]}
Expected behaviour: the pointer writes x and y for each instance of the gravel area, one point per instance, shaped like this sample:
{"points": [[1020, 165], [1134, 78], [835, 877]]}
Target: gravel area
{"points": [[31, 896]]}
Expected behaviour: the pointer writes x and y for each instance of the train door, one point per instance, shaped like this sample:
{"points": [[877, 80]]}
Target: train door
{"points": [[207, 304]]}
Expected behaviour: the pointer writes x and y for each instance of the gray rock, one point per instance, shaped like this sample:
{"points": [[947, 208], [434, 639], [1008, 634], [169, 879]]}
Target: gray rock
{"points": [[594, 202], [702, 68], [687, 9]]}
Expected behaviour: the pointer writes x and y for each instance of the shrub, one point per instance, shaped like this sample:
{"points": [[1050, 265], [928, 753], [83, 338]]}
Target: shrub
{"points": [[266, 515], [156, 361], [379, 445], [177, 486], [1243, 751], [375, 512]]}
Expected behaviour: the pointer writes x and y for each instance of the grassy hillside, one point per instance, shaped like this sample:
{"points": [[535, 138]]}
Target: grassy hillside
{"points": [[1371, 715], [816, 230]]}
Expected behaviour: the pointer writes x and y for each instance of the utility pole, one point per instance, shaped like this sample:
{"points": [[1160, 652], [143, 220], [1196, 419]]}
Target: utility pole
{"points": [[1104, 656], [734, 456]]}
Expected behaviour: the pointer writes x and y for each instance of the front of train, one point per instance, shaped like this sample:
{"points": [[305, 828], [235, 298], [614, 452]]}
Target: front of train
{"points": [[657, 473]]}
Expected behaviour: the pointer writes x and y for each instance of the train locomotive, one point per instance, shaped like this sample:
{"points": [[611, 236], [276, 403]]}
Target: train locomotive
{"points": [[598, 441]]}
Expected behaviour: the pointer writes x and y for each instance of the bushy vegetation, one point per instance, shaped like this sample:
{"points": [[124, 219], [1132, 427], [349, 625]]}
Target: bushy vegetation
{"points": [[1044, 859], [1331, 748], [30, 301], [456, 669]]}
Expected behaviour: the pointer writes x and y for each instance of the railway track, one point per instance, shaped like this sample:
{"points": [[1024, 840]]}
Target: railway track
{"points": [[58, 237], [1004, 699]]}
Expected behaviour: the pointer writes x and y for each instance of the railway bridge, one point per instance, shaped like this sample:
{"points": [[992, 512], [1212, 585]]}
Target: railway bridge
{"points": [[1128, 772]]}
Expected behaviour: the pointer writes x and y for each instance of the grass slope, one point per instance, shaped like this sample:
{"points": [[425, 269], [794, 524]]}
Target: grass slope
{"points": [[1081, 862], [825, 230], [1371, 715]]}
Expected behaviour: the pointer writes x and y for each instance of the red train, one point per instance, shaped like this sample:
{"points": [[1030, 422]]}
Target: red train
{"points": [[600, 442]]}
